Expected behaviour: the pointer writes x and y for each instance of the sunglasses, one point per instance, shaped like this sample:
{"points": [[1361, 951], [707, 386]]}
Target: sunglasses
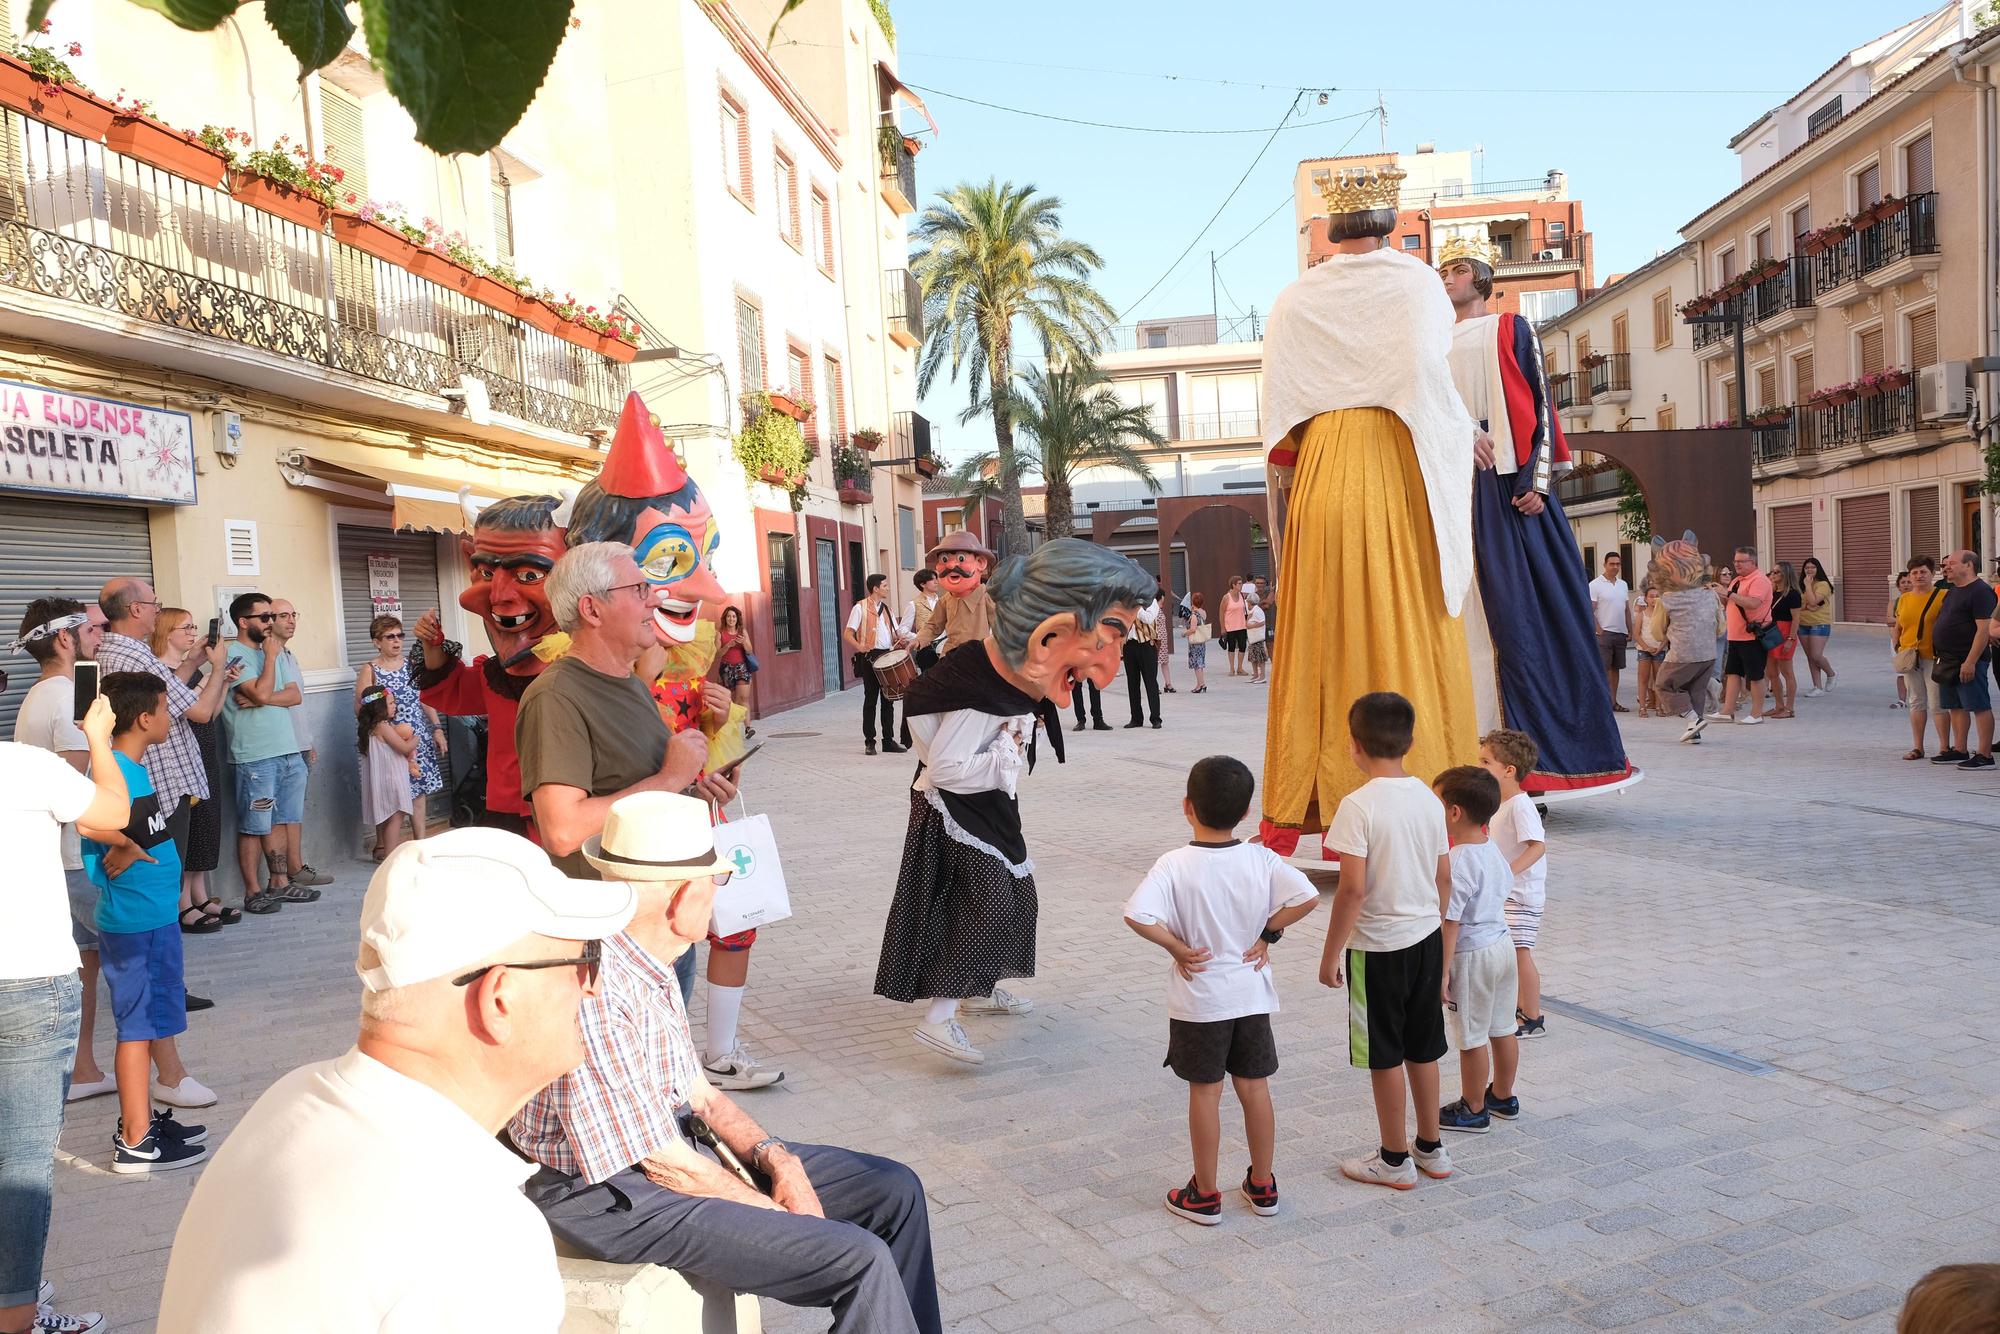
{"points": [[393, 634], [260, 616], [588, 962]]}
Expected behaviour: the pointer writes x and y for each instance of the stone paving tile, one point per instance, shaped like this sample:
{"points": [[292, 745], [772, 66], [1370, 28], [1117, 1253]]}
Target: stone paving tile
{"points": [[1641, 1189]]}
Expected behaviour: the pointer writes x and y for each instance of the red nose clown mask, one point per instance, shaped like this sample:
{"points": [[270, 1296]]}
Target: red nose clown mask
{"points": [[513, 547], [645, 499], [961, 563]]}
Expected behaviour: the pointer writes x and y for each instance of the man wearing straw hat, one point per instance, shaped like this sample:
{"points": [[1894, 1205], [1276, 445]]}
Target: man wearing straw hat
{"points": [[621, 1140]]}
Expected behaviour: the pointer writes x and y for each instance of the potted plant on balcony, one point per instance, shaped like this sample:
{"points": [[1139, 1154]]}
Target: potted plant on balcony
{"points": [[286, 181], [867, 438], [36, 80], [889, 143], [1592, 360], [771, 447], [853, 476], [135, 133], [1775, 415], [796, 406], [1841, 394], [1889, 206], [619, 338], [376, 229]]}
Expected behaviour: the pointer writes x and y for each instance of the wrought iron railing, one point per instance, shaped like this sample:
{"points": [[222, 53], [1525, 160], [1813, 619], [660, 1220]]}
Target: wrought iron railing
{"points": [[1597, 484], [903, 297], [1790, 288], [899, 172], [1613, 373], [1865, 420], [1562, 389], [1711, 333], [1775, 442], [83, 224], [910, 438], [1516, 249], [1912, 230]]}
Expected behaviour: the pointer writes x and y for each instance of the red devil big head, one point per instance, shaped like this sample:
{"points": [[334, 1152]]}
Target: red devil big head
{"points": [[514, 545], [645, 499], [962, 563]]}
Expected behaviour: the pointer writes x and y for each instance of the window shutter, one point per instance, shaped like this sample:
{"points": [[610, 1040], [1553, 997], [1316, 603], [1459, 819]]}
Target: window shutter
{"points": [[736, 149], [503, 214], [1728, 262], [1868, 186], [1803, 383], [1729, 401], [802, 387], [1767, 387], [750, 345], [1871, 352], [1620, 338], [836, 399], [1663, 320], [346, 147], [1923, 338], [1801, 223], [1917, 166], [823, 212], [1925, 539], [1761, 244], [1666, 417], [1582, 348]]}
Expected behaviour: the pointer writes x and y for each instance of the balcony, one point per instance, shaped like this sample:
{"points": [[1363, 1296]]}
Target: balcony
{"points": [[899, 174], [1244, 425], [1580, 488], [1715, 341], [1611, 379], [1886, 252], [910, 443], [903, 303], [1562, 391], [1865, 421], [1784, 300], [1775, 444], [1527, 253], [84, 228]]}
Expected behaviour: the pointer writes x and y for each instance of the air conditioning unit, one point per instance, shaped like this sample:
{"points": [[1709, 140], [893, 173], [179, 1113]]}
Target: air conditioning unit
{"points": [[1548, 254], [1944, 391]]}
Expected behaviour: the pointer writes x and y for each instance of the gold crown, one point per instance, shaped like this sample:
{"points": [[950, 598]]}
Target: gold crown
{"points": [[1362, 189], [1468, 246]]}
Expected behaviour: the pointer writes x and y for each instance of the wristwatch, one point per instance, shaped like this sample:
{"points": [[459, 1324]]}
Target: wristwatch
{"points": [[1270, 937], [761, 1148]]}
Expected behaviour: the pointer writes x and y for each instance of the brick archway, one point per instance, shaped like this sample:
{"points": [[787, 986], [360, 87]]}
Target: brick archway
{"points": [[1171, 514], [1691, 479]]}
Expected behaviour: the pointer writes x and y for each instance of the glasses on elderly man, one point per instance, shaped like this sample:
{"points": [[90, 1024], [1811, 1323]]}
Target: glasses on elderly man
{"points": [[588, 962]]}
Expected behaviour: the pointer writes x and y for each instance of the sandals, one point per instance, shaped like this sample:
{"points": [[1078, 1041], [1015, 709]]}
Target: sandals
{"points": [[291, 893], [202, 924], [218, 911], [1913, 754], [263, 901]]}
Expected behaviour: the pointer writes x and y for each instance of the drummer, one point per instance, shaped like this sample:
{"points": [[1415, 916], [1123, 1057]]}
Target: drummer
{"points": [[871, 632]]}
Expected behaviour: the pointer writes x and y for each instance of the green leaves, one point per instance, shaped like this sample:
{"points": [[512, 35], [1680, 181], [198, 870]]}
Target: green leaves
{"points": [[194, 15], [465, 70], [315, 31]]}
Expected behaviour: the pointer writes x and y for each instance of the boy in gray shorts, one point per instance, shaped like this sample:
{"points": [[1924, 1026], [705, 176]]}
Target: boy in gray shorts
{"points": [[1480, 978]]}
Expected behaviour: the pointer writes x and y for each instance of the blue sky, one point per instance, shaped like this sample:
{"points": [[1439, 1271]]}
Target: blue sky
{"points": [[1636, 103]]}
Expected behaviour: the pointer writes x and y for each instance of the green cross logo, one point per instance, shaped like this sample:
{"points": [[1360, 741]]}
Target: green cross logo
{"points": [[740, 858]]}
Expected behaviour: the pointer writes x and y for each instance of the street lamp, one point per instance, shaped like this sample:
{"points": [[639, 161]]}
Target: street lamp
{"points": [[1732, 315]]}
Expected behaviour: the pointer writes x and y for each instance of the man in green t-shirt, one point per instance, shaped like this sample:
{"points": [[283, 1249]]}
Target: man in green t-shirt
{"points": [[264, 751]]}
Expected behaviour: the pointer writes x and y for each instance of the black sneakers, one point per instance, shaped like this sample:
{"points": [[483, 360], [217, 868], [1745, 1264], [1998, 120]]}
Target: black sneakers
{"points": [[1194, 1206], [1950, 757], [1263, 1198], [168, 1145], [1504, 1108], [1978, 761]]}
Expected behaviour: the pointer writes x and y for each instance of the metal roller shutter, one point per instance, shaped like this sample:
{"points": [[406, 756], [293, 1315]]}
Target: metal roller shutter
{"points": [[1791, 532], [417, 580], [1923, 510], [56, 547], [1864, 557]]}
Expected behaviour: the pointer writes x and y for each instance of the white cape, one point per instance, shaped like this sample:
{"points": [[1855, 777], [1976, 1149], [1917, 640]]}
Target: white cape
{"points": [[1374, 331]]}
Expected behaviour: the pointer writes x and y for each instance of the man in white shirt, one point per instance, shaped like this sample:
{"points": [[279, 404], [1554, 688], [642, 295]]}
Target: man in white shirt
{"points": [[284, 626], [1142, 664], [369, 1192], [1611, 607], [871, 632]]}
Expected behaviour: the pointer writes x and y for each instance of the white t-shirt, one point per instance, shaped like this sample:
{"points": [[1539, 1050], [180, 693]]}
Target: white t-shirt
{"points": [[1398, 825], [1480, 881], [1218, 899], [883, 623], [39, 793], [1516, 824], [1253, 621], [45, 723], [352, 1197], [1608, 598]]}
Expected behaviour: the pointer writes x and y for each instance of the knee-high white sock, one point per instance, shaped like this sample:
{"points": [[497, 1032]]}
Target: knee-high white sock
{"points": [[940, 1010], [725, 1004]]}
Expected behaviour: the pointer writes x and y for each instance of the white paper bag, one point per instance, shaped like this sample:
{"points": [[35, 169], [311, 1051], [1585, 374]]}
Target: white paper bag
{"points": [[755, 894]]}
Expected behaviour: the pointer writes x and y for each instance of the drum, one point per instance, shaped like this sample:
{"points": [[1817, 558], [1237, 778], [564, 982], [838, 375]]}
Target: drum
{"points": [[895, 672]]}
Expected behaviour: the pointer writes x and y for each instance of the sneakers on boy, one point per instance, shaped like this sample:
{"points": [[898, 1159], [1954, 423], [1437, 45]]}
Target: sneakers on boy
{"points": [[50, 1321], [1435, 1163], [1263, 1196], [1002, 1001], [1504, 1108], [153, 1154], [309, 876], [1458, 1116], [948, 1039], [1194, 1206], [169, 1130], [1695, 723], [739, 1071], [1373, 1171], [190, 1092]]}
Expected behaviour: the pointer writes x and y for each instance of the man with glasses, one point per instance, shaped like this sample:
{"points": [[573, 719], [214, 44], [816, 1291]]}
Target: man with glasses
{"points": [[285, 628], [264, 748], [369, 1191]]}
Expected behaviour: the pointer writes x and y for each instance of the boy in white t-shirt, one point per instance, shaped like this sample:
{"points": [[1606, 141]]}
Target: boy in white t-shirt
{"points": [[1217, 906], [1395, 878], [1479, 958], [1517, 831]]}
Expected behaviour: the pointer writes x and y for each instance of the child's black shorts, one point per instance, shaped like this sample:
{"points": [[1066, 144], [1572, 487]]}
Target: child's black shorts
{"points": [[1395, 1012], [1202, 1053]]}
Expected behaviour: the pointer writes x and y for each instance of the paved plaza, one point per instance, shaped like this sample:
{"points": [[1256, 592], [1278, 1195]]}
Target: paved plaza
{"points": [[1768, 1098]]}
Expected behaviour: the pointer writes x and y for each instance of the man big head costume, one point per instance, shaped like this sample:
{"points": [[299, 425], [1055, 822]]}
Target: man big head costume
{"points": [[964, 614]]}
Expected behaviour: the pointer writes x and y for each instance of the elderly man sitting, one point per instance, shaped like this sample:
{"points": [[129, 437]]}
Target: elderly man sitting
{"points": [[368, 1192], [622, 1179]]}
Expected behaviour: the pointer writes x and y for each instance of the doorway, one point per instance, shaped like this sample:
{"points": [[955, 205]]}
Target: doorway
{"points": [[826, 582]]}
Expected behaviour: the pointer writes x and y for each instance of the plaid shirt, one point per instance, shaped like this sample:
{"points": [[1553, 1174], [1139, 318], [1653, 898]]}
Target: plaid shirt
{"points": [[639, 1067], [175, 764]]}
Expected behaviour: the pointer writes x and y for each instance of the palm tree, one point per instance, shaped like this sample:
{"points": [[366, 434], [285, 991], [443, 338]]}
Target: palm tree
{"points": [[1071, 421], [990, 256]]}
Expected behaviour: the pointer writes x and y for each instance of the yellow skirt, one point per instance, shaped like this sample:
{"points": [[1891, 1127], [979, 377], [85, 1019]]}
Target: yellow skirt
{"points": [[1363, 611]]}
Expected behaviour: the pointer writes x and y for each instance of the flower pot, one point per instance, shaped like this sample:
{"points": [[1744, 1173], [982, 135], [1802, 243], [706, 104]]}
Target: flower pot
{"points": [[489, 292], [280, 201], [63, 105], [372, 237], [168, 149], [850, 494], [1813, 245], [541, 315], [616, 348], [572, 332], [1841, 397], [1896, 380], [1889, 208], [788, 405], [866, 440], [775, 476]]}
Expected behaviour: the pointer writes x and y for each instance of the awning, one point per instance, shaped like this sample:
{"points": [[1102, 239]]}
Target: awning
{"points": [[422, 490], [895, 87]]}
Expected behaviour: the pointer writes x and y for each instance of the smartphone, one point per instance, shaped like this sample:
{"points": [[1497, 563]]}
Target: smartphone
{"points": [[214, 631], [86, 689], [729, 770]]}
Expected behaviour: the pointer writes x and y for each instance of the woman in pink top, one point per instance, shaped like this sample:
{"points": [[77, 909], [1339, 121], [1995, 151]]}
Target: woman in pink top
{"points": [[1235, 632]]}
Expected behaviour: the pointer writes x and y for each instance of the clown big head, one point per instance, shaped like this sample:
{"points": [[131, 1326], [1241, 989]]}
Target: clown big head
{"points": [[961, 563], [645, 499], [513, 546]]}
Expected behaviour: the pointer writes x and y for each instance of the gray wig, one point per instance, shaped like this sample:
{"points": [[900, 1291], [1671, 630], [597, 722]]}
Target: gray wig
{"points": [[1062, 575]]}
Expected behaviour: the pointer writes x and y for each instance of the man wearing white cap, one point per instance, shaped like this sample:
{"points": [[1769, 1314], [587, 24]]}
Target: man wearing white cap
{"points": [[369, 1192], [622, 1180]]}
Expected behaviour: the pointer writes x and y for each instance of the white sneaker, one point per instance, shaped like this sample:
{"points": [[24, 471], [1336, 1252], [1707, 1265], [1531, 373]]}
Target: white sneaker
{"points": [[948, 1039], [1002, 1001], [95, 1088], [190, 1092], [1814, 693], [1436, 1165], [49, 1321], [1722, 717], [1695, 723], [739, 1071], [46, 1293], [1373, 1171], [1751, 721]]}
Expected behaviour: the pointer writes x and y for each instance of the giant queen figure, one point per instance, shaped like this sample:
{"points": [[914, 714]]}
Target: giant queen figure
{"points": [[1370, 462]]}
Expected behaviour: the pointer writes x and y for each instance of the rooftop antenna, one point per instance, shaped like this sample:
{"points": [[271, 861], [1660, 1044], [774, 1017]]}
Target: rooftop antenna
{"points": [[1382, 115]]}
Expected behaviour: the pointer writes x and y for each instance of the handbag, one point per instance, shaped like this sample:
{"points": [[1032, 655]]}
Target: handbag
{"points": [[1767, 634], [755, 894], [1905, 660], [1200, 634], [750, 663], [1944, 670]]}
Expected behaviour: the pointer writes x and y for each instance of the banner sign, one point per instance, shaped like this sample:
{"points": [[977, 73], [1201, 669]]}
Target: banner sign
{"points": [[385, 585], [52, 441]]}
